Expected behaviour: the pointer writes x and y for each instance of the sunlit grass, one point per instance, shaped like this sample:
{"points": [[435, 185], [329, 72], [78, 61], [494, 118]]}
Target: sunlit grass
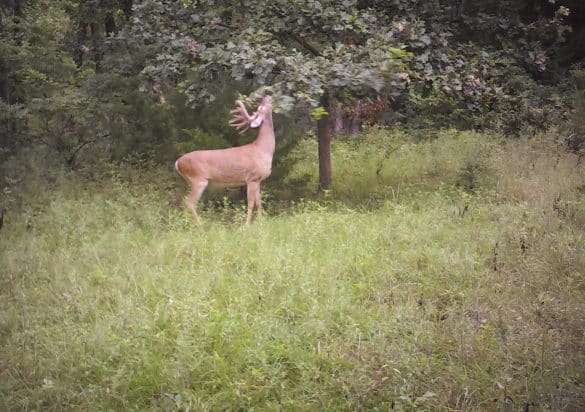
{"points": [[455, 291]]}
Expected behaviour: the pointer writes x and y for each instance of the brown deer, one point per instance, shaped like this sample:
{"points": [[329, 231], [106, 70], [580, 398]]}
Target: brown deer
{"points": [[246, 165]]}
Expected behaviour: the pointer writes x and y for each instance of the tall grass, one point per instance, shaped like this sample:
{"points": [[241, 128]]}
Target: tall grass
{"points": [[452, 278]]}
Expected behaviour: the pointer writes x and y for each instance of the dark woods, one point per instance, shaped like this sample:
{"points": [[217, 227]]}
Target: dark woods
{"points": [[90, 84]]}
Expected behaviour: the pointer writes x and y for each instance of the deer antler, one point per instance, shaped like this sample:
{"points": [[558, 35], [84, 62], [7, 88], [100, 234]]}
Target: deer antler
{"points": [[241, 120]]}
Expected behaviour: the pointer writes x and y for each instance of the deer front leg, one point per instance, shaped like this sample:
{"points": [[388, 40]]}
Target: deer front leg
{"points": [[258, 201], [252, 188]]}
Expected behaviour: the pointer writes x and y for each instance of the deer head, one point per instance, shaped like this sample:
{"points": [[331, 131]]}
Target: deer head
{"points": [[242, 121]]}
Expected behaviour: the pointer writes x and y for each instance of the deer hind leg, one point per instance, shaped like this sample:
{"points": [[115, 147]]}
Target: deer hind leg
{"points": [[197, 189], [252, 189]]}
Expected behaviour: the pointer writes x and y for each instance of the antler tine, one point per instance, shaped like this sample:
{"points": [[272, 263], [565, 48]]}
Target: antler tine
{"points": [[241, 119], [239, 122]]}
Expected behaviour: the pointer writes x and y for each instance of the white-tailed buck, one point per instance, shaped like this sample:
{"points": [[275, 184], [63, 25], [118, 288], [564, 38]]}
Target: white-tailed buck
{"points": [[246, 165]]}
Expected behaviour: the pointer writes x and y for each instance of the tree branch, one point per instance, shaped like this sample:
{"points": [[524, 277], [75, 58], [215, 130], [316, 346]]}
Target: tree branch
{"points": [[303, 42], [71, 158]]}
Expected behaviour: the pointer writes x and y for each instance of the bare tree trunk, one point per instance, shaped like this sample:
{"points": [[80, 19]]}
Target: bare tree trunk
{"points": [[355, 120], [97, 46], [324, 148], [336, 113], [110, 24], [324, 140]]}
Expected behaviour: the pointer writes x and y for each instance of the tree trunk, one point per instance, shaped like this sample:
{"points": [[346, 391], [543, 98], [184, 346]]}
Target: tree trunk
{"points": [[355, 120], [336, 113], [97, 45], [324, 144], [110, 24], [324, 140]]}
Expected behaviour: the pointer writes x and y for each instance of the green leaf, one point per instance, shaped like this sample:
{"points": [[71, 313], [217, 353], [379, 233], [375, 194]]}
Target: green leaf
{"points": [[318, 113]]}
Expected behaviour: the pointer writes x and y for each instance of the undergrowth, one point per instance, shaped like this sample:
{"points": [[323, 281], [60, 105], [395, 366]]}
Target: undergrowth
{"points": [[439, 274]]}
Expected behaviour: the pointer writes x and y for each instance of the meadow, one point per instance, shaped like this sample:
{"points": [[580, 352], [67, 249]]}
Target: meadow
{"points": [[442, 272]]}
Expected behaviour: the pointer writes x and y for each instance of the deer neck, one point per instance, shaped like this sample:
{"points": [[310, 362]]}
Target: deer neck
{"points": [[265, 140]]}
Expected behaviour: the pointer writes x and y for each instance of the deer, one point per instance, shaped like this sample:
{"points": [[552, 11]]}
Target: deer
{"points": [[248, 165]]}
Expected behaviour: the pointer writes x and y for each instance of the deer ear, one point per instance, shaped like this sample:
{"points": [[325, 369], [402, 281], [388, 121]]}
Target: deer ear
{"points": [[257, 121]]}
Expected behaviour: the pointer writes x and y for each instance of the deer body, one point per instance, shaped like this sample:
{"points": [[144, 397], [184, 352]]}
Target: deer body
{"points": [[248, 165]]}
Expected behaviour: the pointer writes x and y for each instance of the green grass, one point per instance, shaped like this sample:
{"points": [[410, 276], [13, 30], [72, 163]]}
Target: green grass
{"points": [[453, 280]]}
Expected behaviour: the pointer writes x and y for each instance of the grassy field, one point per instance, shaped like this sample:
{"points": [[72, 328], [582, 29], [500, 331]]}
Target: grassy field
{"points": [[442, 274]]}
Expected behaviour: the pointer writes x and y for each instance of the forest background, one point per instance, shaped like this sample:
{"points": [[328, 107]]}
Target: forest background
{"points": [[424, 244]]}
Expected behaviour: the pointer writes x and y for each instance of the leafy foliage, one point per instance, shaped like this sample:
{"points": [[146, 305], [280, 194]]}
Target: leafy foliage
{"points": [[334, 49], [100, 81]]}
